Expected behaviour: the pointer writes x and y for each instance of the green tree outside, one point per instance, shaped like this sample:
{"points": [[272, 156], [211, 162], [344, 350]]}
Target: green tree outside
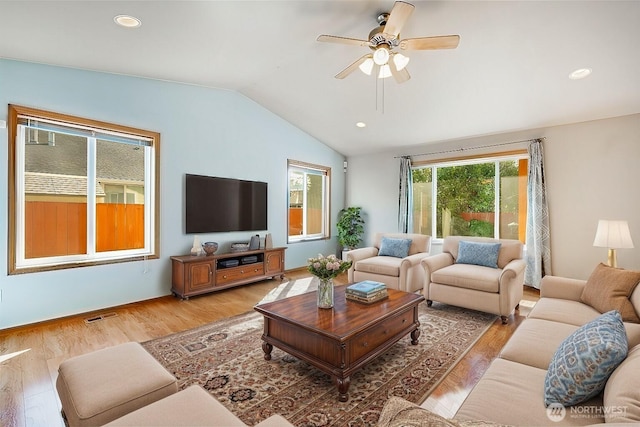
{"points": [[468, 189]]}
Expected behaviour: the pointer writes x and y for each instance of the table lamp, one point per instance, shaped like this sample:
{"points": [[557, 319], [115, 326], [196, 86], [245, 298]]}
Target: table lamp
{"points": [[613, 235]]}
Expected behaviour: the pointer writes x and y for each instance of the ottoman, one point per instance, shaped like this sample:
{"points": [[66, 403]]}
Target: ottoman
{"points": [[193, 406], [99, 387]]}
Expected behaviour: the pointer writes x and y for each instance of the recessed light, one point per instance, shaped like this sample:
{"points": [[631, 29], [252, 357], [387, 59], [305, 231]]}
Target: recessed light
{"points": [[127, 21], [361, 124], [580, 73]]}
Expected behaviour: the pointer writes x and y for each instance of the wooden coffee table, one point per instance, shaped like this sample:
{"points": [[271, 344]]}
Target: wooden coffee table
{"points": [[340, 340]]}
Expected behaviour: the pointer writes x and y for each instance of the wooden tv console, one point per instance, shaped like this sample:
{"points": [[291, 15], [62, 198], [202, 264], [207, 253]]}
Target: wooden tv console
{"points": [[195, 275]]}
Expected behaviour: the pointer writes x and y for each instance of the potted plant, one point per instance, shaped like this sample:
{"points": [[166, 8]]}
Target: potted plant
{"points": [[350, 227]]}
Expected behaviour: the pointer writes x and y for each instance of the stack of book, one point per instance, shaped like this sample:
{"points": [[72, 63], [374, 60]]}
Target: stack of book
{"points": [[366, 292]]}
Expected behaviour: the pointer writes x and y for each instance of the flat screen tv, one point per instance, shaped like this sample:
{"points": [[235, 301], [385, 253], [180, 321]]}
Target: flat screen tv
{"points": [[222, 204]]}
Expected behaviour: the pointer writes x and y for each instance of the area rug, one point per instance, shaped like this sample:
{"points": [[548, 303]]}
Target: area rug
{"points": [[226, 358]]}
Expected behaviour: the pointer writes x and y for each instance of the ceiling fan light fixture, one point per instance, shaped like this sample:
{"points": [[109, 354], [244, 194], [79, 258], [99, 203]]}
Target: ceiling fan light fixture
{"points": [[385, 72], [400, 60], [381, 55], [367, 66]]}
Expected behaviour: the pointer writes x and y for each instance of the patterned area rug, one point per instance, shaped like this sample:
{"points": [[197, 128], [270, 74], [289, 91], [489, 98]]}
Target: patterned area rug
{"points": [[226, 358]]}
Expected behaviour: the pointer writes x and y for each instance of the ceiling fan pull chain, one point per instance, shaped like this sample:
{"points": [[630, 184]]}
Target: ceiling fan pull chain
{"points": [[382, 95]]}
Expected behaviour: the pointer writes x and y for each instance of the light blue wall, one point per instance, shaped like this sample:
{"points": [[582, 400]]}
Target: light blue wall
{"points": [[203, 131]]}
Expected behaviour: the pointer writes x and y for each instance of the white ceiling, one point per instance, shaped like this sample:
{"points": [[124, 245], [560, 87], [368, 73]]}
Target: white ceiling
{"points": [[509, 72]]}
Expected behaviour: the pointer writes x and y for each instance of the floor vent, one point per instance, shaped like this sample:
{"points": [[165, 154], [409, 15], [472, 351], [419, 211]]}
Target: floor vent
{"points": [[99, 317]]}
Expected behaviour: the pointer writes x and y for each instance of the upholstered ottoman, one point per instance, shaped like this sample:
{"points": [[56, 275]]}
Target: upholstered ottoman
{"points": [[99, 387], [193, 406]]}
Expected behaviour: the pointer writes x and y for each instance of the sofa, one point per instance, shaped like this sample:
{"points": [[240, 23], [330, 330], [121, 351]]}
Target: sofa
{"points": [[516, 385], [394, 259], [478, 273]]}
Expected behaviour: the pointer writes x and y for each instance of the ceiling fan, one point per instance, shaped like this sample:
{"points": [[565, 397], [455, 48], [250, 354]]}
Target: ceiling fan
{"points": [[383, 40]]}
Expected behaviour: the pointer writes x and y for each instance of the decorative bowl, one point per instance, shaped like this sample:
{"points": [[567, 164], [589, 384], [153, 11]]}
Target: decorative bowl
{"points": [[210, 247], [239, 247]]}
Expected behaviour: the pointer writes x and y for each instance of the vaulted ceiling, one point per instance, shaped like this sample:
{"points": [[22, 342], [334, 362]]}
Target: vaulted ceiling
{"points": [[509, 72]]}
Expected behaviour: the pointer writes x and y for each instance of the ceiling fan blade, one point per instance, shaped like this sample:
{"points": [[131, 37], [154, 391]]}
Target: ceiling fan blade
{"points": [[399, 14], [430, 43], [342, 40], [401, 76], [351, 68]]}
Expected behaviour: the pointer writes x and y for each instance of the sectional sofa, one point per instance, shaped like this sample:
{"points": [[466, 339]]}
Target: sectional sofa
{"points": [[513, 389]]}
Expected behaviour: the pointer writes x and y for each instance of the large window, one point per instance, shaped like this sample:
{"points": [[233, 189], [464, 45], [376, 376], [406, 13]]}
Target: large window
{"points": [[476, 197], [308, 201], [82, 192]]}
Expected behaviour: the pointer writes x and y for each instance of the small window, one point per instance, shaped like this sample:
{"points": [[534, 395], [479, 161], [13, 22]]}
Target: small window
{"points": [[82, 192], [308, 201]]}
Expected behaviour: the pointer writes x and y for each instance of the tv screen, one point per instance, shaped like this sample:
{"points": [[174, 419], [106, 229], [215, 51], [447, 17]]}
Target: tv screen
{"points": [[222, 204]]}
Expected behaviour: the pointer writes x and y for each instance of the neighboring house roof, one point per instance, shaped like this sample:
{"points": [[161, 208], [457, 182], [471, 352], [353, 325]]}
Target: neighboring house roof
{"points": [[61, 169], [116, 162], [68, 185]]}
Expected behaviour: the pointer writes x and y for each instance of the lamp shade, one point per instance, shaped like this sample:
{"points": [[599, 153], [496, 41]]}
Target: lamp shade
{"points": [[613, 234]]}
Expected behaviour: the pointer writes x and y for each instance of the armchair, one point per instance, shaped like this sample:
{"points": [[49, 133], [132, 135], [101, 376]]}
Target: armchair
{"points": [[395, 269], [453, 280]]}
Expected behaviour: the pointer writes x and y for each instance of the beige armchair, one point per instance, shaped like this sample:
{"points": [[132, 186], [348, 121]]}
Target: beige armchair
{"points": [[493, 290], [395, 269]]}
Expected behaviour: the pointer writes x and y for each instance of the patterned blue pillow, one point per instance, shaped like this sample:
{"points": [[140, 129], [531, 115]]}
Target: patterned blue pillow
{"points": [[582, 364], [398, 248], [478, 253]]}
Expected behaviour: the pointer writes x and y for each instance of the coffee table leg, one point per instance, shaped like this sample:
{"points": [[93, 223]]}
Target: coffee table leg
{"points": [[266, 347], [414, 336], [343, 388]]}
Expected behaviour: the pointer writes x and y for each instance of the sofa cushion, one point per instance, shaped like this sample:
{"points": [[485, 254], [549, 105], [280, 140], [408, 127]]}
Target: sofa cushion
{"points": [[477, 253], [576, 314], [468, 276], [622, 392], [387, 266], [563, 311], [398, 248], [609, 288], [193, 406], [536, 342], [511, 393], [582, 364], [420, 243]]}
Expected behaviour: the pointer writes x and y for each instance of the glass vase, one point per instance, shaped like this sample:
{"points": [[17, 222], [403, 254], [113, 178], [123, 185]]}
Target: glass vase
{"points": [[325, 293]]}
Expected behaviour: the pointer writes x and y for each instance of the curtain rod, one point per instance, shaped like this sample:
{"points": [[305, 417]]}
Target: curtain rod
{"points": [[471, 148]]}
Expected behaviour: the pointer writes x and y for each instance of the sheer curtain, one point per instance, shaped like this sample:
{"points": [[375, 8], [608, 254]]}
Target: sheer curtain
{"points": [[538, 246], [405, 200]]}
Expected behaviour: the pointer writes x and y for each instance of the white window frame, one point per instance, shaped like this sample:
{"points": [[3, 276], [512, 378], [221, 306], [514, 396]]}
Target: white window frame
{"points": [[149, 141], [310, 169], [496, 159]]}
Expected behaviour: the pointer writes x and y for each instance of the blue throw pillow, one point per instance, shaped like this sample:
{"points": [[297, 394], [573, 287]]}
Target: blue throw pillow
{"points": [[584, 361], [478, 253], [398, 248]]}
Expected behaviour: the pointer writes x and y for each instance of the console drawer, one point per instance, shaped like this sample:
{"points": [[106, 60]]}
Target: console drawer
{"points": [[226, 275], [379, 334]]}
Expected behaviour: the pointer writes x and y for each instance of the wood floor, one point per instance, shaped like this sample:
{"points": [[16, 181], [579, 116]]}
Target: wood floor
{"points": [[27, 379]]}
